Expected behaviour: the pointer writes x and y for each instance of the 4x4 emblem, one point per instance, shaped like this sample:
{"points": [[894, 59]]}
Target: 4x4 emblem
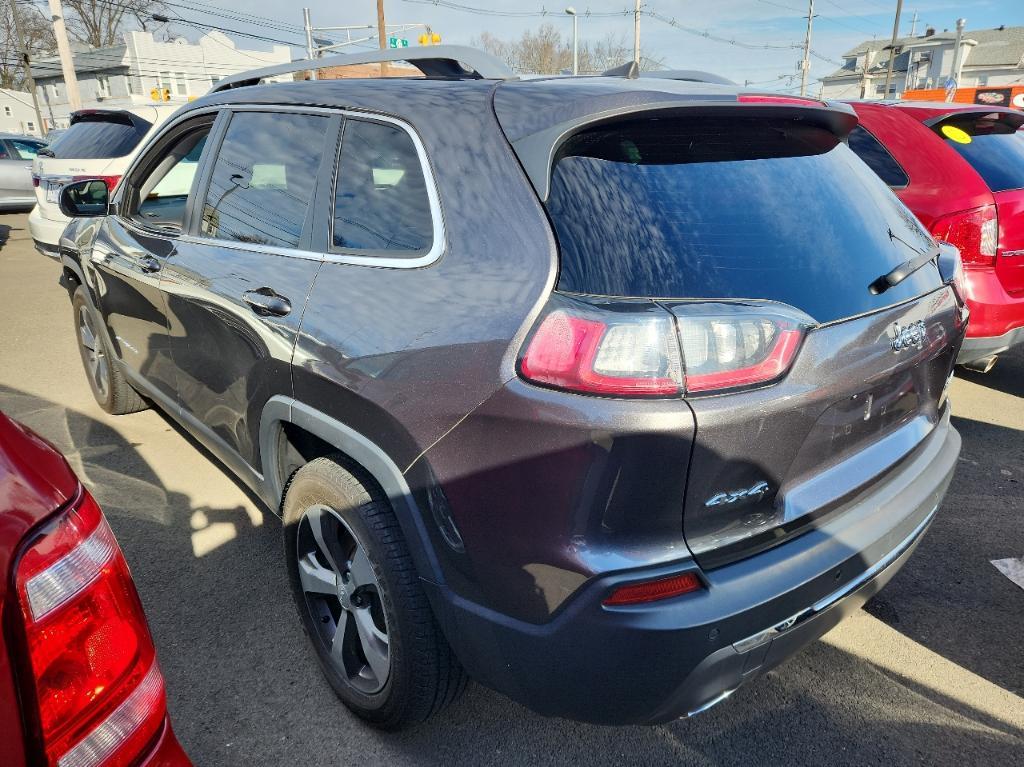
{"points": [[913, 334], [753, 493]]}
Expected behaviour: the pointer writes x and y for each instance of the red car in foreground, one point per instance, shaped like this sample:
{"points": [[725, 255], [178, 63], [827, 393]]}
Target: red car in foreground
{"points": [[79, 682], [960, 169]]}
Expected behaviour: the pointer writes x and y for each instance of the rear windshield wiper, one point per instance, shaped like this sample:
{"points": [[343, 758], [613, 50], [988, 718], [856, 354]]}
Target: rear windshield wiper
{"points": [[904, 270]]}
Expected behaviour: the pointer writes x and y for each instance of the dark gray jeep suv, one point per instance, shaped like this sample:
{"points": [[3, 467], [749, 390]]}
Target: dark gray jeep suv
{"points": [[610, 393]]}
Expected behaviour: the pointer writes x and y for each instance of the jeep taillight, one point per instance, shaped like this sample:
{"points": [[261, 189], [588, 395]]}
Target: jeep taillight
{"points": [[728, 346], [614, 349], [94, 691], [646, 349], [975, 232]]}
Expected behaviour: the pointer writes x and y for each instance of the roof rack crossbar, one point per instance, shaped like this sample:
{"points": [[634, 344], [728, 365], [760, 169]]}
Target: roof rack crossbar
{"points": [[432, 61]]}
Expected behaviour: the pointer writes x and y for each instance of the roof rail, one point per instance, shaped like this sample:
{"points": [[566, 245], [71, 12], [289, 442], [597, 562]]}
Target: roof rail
{"points": [[688, 75], [432, 61]]}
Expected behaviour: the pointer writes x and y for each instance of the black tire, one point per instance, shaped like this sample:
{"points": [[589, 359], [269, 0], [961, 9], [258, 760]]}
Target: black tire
{"points": [[423, 676], [112, 392]]}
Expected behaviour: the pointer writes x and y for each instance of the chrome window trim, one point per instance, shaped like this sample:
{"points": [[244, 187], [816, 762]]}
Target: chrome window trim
{"points": [[436, 218], [437, 246]]}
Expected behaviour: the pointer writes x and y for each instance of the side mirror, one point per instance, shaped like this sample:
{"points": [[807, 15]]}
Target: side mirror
{"points": [[84, 199]]}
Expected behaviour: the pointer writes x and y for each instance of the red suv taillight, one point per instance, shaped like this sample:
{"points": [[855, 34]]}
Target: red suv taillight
{"points": [[640, 349], [110, 181], [91, 668], [975, 232]]}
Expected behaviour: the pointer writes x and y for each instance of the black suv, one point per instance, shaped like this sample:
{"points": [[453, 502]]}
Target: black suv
{"points": [[610, 393]]}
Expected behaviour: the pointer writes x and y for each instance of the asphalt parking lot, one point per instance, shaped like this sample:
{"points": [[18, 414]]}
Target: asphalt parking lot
{"points": [[932, 672]]}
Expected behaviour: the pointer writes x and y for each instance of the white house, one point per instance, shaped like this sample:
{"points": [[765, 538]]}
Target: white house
{"points": [[141, 67], [988, 57], [17, 115]]}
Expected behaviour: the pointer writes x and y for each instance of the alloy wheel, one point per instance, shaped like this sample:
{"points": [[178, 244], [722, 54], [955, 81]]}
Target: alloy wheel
{"points": [[343, 598], [96, 363]]}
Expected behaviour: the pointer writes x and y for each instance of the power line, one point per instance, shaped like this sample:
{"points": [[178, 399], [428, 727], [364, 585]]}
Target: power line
{"points": [[514, 14]]}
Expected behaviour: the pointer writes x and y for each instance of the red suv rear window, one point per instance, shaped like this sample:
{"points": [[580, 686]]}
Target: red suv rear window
{"points": [[991, 143]]}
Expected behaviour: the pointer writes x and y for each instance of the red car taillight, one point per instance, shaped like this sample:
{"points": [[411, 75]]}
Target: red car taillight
{"points": [[35, 180], [91, 667], [639, 349], [110, 181], [975, 232]]}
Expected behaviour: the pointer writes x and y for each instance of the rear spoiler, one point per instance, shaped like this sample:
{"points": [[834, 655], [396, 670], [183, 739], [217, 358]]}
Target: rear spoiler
{"points": [[121, 116], [537, 151], [1002, 114]]}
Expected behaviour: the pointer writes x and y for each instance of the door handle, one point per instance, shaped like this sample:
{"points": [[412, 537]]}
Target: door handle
{"points": [[266, 303], [149, 265]]}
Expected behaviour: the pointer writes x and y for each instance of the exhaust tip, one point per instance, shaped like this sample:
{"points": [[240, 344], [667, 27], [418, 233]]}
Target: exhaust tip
{"points": [[983, 365]]}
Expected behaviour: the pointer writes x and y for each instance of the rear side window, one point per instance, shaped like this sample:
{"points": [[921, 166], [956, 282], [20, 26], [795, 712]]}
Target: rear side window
{"points": [[991, 144], [716, 207], [381, 202], [877, 157], [263, 178], [99, 137]]}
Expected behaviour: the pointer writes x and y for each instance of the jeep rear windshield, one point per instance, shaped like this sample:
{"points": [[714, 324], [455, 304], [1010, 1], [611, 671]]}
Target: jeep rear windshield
{"points": [[100, 137], [730, 207], [991, 143]]}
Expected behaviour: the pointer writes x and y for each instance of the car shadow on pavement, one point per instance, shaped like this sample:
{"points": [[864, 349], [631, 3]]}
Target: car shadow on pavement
{"points": [[244, 689], [949, 597]]}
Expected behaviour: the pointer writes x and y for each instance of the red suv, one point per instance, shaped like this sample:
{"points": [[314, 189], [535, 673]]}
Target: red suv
{"points": [[960, 169], [79, 682]]}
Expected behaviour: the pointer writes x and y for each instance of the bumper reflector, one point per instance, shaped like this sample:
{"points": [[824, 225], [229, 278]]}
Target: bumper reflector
{"points": [[652, 591]]}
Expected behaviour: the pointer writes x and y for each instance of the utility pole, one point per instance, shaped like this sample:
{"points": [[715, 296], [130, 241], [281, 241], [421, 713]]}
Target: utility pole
{"points": [[957, 55], [805, 64], [382, 35], [913, 26], [575, 38], [310, 52], [636, 34], [67, 61], [23, 45], [892, 48]]}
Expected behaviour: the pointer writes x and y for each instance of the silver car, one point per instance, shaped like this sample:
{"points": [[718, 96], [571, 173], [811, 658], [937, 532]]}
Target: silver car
{"points": [[16, 155]]}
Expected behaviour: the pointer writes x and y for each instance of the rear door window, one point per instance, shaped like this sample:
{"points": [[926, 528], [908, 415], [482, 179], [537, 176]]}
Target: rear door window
{"points": [[381, 203], [100, 137], [716, 207], [263, 178], [877, 157], [991, 143]]}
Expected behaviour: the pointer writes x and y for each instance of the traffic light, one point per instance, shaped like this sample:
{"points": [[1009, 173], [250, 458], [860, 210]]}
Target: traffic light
{"points": [[430, 38], [166, 93], [160, 94], [154, 94]]}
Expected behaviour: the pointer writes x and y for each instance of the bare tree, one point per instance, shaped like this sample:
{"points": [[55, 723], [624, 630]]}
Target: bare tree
{"points": [[100, 23], [545, 52], [38, 39]]}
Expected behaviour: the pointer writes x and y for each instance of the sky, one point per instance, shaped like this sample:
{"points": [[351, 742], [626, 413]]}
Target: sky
{"points": [[838, 26]]}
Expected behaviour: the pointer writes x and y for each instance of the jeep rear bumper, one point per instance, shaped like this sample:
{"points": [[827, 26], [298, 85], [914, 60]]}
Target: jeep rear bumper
{"points": [[647, 664]]}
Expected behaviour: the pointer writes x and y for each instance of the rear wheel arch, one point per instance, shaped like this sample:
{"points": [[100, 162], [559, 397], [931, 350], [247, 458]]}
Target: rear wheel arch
{"points": [[293, 433]]}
